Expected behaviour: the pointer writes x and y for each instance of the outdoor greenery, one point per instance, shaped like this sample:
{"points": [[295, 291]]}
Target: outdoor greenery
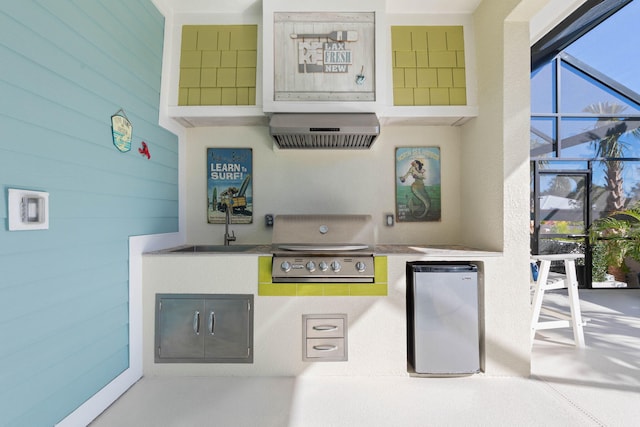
{"points": [[598, 263], [617, 236]]}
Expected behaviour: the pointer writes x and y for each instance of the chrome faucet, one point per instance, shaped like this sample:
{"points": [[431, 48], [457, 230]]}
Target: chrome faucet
{"points": [[228, 237]]}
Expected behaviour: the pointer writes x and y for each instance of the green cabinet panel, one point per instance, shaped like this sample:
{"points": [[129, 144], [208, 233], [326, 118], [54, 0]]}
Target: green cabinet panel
{"points": [[428, 65], [222, 57]]}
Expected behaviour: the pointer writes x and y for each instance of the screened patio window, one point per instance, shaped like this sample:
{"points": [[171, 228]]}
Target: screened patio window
{"points": [[574, 109]]}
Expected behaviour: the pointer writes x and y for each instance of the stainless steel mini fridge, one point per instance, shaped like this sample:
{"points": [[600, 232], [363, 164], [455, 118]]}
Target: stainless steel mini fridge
{"points": [[442, 318]]}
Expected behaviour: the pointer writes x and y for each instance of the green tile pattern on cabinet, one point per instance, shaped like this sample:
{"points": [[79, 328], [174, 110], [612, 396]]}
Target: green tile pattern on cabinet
{"points": [[428, 65], [267, 288], [218, 65]]}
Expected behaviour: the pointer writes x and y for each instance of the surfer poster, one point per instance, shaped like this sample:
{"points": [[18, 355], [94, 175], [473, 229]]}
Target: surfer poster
{"points": [[418, 184], [229, 185]]}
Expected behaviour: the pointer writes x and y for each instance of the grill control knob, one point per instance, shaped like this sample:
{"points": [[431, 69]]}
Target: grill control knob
{"points": [[360, 266], [285, 266], [311, 266], [335, 266], [323, 266]]}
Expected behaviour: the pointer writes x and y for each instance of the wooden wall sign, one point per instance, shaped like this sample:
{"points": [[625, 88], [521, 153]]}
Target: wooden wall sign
{"points": [[324, 56]]}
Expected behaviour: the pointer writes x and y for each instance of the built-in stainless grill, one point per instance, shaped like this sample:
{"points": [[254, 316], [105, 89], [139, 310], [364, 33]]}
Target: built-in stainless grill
{"points": [[323, 248]]}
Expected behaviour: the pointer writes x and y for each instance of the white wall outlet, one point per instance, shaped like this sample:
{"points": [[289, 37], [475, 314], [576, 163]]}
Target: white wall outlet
{"points": [[389, 220], [28, 210]]}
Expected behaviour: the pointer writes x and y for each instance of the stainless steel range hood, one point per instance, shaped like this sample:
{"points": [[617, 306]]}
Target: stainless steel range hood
{"points": [[324, 130]]}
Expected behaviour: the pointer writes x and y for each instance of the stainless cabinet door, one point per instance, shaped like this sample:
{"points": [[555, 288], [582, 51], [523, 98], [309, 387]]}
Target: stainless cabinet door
{"points": [[227, 328], [180, 328]]}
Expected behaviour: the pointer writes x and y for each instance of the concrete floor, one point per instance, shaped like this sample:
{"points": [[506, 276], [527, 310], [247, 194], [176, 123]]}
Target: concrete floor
{"points": [[596, 386]]}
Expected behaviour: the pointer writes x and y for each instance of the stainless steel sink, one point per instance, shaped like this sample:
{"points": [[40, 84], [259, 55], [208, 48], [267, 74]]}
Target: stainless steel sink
{"points": [[216, 248]]}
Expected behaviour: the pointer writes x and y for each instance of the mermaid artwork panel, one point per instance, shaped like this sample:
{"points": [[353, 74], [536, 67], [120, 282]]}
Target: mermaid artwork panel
{"points": [[418, 196]]}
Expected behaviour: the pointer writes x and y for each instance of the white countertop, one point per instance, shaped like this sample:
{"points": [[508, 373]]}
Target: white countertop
{"points": [[438, 251], [381, 250]]}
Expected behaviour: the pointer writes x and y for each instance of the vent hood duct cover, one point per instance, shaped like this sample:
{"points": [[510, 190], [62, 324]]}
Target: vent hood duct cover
{"points": [[324, 131]]}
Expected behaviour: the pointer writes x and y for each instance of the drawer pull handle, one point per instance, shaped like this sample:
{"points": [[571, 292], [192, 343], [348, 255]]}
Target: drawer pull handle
{"points": [[212, 322], [196, 322], [325, 347], [325, 328]]}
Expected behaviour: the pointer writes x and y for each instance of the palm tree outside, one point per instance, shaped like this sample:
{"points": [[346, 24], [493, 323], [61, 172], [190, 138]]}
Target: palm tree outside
{"points": [[611, 148]]}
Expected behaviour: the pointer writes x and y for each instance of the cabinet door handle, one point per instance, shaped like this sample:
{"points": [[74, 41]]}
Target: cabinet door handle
{"points": [[325, 347], [196, 322], [212, 322], [325, 328]]}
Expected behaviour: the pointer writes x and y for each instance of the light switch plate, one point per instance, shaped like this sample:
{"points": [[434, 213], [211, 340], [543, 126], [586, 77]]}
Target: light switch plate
{"points": [[28, 210]]}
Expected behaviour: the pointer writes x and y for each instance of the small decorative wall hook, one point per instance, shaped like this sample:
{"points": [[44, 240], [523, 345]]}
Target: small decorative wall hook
{"points": [[144, 150], [360, 77]]}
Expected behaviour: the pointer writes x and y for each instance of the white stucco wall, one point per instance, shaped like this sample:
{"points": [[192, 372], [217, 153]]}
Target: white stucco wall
{"points": [[325, 181], [495, 180]]}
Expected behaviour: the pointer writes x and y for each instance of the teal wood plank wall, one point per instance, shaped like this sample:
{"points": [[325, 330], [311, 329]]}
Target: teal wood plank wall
{"points": [[65, 67]]}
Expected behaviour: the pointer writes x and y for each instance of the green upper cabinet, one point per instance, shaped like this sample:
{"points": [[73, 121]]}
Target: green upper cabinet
{"points": [[218, 65], [428, 65]]}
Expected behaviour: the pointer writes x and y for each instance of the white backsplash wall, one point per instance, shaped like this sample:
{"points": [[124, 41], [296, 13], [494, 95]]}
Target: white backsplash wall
{"points": [[324, 181]]}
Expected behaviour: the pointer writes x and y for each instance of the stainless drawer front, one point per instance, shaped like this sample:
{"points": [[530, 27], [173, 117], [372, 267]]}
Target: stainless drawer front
{"points": [[326, 348], [329, 327]]}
